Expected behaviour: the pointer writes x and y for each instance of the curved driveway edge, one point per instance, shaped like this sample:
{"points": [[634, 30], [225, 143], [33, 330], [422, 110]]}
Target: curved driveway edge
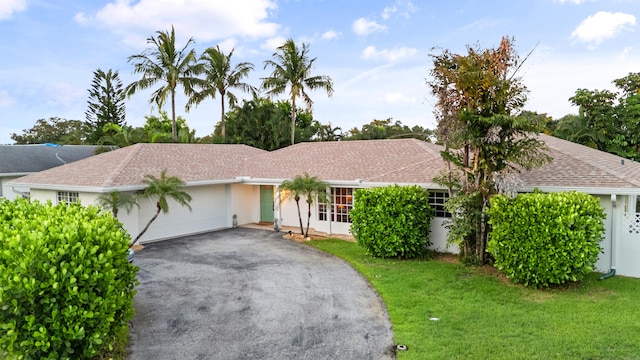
{"points": [[250, 294]]}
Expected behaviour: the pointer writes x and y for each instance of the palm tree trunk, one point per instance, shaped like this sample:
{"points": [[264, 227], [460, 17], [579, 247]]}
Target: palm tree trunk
{"points": [[300, 217], [308, 219], [293, 121], [174, 130], [222, 117], [146, 227]]}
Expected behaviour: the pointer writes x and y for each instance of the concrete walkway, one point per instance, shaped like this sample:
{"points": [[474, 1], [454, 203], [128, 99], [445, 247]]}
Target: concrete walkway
{"points": [[249, 294]]}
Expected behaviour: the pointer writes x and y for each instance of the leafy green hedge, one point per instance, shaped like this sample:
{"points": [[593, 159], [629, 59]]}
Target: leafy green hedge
{"points": [[392, 221], [542, 239], [66, 287]]}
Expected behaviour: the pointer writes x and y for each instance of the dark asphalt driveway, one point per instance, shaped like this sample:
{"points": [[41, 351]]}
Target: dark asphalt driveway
{"points": [[250, 294]]}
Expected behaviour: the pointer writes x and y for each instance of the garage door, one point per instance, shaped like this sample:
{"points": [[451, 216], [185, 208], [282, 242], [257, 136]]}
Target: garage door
{"points": [[210, 211]]}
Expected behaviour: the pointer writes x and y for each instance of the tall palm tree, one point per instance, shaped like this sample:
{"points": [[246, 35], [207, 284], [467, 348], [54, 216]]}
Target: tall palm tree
{"points": [[220, 78], [163, 188], [292, 68], [294, 189], [115, 200], [308, 186], [162, 63]]}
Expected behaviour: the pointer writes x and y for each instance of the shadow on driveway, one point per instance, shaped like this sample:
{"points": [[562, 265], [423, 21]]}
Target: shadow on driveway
{"points": [[249, 294]]}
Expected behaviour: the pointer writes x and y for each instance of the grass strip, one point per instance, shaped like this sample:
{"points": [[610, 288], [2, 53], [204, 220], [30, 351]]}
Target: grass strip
{"points": [[482, 316]]}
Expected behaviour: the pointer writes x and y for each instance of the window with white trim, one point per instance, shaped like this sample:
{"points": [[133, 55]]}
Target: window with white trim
{"points": [[436, 201], [341, 203], [67, 197]]}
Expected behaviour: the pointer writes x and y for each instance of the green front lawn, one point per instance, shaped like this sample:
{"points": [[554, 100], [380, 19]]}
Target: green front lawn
{"points": [[482, 316]]}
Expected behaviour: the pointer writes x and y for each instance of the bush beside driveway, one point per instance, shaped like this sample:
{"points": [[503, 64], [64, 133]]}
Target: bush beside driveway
{"points": [[249, 294]]}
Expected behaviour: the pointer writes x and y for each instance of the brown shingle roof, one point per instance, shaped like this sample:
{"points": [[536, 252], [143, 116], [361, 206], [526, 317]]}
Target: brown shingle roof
{"points": [[578, 166], [127, 166], [380, 161], [400, 160]]}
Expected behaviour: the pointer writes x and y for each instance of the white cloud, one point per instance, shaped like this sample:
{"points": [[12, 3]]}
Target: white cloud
{"points": [[363, 26], [205, 20], [331, 34], [388, 11], [361, 77], [568, 74], [5, 99], [273, 43], [64, 94], [392, 55], [478, 25], [82, 19], [8, 7], [403, 8], [227, 45], [603, 25], [399, 98], [577, 2], [625, 51]]}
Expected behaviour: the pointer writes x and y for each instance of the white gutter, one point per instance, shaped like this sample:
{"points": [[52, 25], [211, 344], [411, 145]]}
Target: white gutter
{"points": [[588, 190], [429, 186], [213, 182], [97, 189], [357, 183], [15, 174], [21, 193], [612, 256]]}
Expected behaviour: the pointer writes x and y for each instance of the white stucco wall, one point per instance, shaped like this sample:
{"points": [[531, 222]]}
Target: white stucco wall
{"points": [[289, 211], [44, 195], [604, 260], [86, 198], [245, 202], [210, 211], [438, 237], [210, 206]]}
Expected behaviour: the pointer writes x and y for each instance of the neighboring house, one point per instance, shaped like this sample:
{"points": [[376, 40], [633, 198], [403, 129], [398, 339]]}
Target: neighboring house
{"points": [[20, 160], [228, 181]]}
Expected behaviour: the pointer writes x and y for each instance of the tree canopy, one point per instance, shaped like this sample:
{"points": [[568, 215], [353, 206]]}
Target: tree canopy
{"points": [[105, 104], [264, 124], [54, 130], [113, 201], [386, 129], [292, 69], [308, 186], [162, 63], [606, 120], [220, 78], [478, 97]]}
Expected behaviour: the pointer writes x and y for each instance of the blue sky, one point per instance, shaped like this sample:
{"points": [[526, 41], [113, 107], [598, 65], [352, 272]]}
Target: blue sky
{"points": [[377, 52]]}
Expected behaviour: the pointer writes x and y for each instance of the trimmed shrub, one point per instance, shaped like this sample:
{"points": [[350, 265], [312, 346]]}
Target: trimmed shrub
{"points": [[392, 221], [66, 286], [543, 239]]}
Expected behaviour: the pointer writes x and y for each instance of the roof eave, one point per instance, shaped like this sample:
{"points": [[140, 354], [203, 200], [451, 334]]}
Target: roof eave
{"points": [[588, 190], [213, 182], [340, 183], [15, 174], [123, 188]]}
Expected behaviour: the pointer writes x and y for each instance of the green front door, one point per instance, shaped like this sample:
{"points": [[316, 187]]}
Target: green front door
{"points": [[266, 203]]}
